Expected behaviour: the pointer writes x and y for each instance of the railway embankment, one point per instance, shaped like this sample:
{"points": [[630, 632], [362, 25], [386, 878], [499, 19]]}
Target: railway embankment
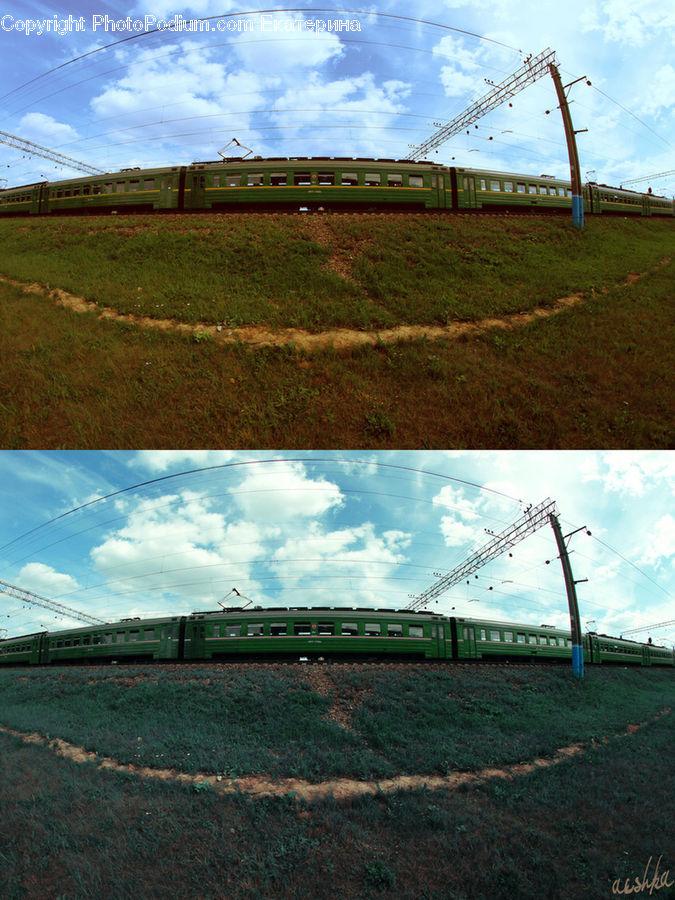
{"points": [[224, 779], [350, 330]]}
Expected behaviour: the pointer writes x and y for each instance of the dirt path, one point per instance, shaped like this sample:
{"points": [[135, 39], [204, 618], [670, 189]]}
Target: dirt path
{"points": [[339, 788], [338, 338]]}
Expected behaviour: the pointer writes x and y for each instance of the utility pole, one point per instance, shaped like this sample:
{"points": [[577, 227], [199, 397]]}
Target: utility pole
{"points": [[570, 137], [570, 587]]}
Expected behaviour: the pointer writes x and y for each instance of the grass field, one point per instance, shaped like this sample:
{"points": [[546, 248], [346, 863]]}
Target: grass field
{"points": [[598, 374], [71, 829]]}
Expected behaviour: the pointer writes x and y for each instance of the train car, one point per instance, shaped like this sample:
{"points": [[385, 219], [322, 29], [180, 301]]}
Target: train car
{"points": [[319, 631], [485, 639], [315, 183], [128, 639], [25, 650], [603, 648], [484, 189]]}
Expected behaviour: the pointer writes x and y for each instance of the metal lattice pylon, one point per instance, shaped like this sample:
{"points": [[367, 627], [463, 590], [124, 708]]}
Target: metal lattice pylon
{"points": [[535, 67], [535, 517]]}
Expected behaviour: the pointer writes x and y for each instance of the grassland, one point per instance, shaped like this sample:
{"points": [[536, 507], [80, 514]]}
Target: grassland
{"points": [[74, 830], [598, 374]]}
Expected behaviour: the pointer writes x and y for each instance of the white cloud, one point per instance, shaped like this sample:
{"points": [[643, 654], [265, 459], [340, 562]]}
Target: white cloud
{"points": [[284, 491], [661, 542], [46, 581], [43, 129]]}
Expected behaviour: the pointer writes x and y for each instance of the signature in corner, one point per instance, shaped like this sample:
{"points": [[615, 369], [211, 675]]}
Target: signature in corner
{"points": [[639, 885]]}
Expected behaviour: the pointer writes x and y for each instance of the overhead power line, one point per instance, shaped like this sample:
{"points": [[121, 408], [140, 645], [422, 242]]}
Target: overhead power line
{"points": [[36, 600], [649, 177], [36, 150], [533, 519], [649, 627], [535, 67]]}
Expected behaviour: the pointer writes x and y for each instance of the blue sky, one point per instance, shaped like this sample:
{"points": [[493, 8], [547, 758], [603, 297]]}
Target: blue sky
{"points": [[171, 98], [334, 528]]}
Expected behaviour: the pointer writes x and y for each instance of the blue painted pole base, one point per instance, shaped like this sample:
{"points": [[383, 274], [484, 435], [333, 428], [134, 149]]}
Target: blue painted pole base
{"points": [[577, 211], [578, 660]]}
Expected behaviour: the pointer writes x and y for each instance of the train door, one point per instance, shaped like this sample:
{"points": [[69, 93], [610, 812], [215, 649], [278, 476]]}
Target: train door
{"points": [[195, 191], [195, 640], [469, 192], [440, 641], [646, 208], [646, 655], [469, 634]]}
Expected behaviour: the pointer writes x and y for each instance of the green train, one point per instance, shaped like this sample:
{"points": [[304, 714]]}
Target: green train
{"points": [[320, 633], [318, 183]]}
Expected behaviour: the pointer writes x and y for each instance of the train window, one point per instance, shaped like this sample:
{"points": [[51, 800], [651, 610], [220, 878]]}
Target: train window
{"points": [[415, 631], [216, 180], [326, 628], [149, 634], [302, 628], [415, 181], [483, 184], [121, 187], [394, 180], [552, 641], [76, 642], [326, 178], [532, 188], [301, 178], [149, 184], [121, 635], [520, 188], [233, 181], [508, 187], [569, 192], [372, 179], [97, 639], [278, 179], [215, 631], [255, 179], [108, 638], [278, 629], [495, 185], [561, 642], [394, 630], [483, 634], [372, 629], [508, 637], [350, 178], [134, 185], [349, 628], [65, 194], [532, 639], [543, 639], [66, 643], [551, 191], [542, 189], [86, 190], [97, 189], [58, 194], [495, 636], [59, 643], [561, 191], [76, 192], [255, 629], [133, 635], [108, 188], [233, 631]]}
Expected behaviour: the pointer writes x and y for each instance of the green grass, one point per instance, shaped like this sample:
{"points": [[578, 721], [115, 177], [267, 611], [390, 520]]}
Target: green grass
{"points": [[72, 830], [597, 375], [248, 720]]}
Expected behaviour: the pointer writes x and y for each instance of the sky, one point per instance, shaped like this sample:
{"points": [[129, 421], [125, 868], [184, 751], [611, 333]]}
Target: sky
{"points": [[284, 88], [116, 534]]}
